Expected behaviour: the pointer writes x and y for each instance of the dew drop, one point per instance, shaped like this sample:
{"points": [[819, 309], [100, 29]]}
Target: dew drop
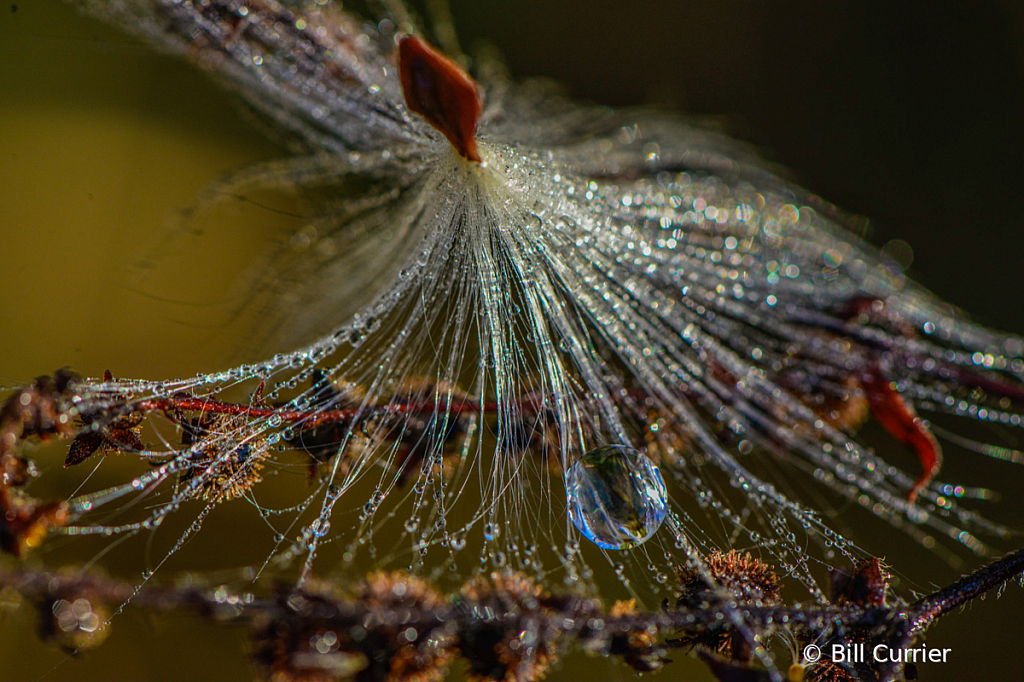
{"points": [[616, 496]]}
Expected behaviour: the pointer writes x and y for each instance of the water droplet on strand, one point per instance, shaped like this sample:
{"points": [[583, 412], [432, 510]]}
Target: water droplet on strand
{"points": [[616, 496]]}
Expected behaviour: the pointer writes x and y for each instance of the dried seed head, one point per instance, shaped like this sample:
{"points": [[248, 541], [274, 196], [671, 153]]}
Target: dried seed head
{"points": [[500, 651], [397, 589], [511, 590], [230, 456], [864, 586], [745, 578], [311, 639], [287, 650], [729, 576], [399, 652], [554, 260]]}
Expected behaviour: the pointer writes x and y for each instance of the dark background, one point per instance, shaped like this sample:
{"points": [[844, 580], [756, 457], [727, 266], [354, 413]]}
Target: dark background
{"points": [[911, 114]]}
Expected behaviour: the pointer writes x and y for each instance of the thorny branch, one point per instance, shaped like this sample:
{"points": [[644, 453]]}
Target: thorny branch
{"points": [[396, 626]]}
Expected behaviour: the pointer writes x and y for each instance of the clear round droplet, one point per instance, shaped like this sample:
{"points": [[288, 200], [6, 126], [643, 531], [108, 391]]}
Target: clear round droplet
{"points": [[616, 496]]}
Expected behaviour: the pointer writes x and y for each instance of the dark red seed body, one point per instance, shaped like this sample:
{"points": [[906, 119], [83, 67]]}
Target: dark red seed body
{"points": [[438, 90]]}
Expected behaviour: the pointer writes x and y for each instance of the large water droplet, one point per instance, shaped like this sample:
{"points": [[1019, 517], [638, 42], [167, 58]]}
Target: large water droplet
{"points": [[616, 496]]}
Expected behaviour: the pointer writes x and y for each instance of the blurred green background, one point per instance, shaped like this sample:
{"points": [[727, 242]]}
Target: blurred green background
{"points": [[909, 113]]}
